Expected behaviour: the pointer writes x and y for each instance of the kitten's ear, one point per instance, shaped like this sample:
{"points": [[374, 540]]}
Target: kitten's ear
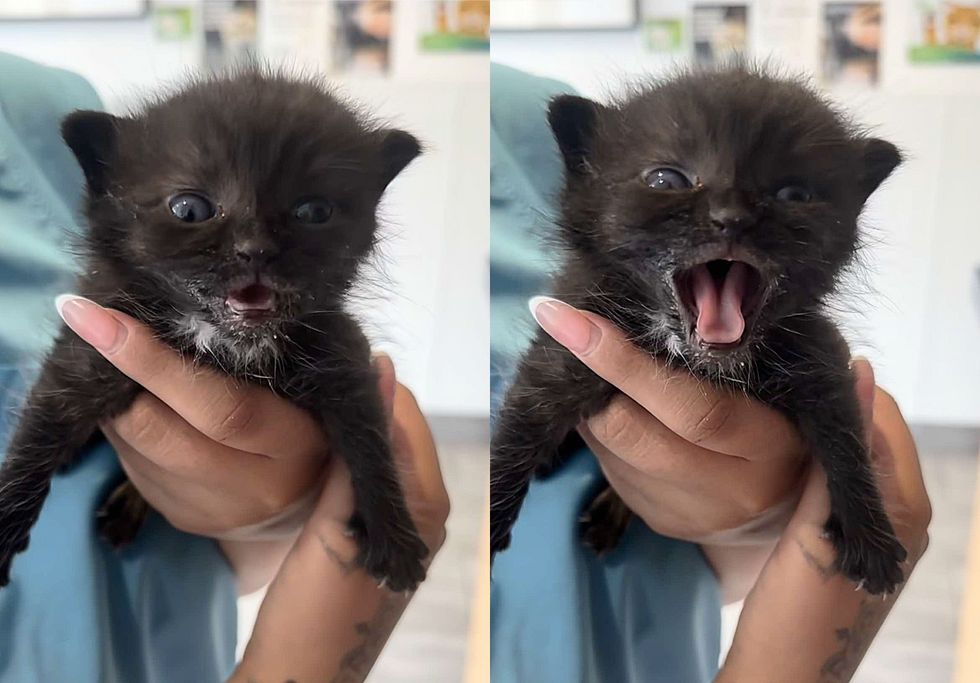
{"points": [[398, 148], [573, 120], [880, 159], [91, 135]]}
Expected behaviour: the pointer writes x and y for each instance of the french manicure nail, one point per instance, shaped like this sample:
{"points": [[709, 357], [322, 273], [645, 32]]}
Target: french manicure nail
{"points": [[91, 322], [565, 324]]}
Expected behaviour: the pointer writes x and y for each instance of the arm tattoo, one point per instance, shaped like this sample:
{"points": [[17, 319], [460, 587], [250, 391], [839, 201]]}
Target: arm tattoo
{"points": [[826, 571], [346, 565], [358, 661], [854, 641]]}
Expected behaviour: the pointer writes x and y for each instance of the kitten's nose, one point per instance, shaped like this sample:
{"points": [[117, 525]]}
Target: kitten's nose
{"points": [[257, 253], [730, 215]]}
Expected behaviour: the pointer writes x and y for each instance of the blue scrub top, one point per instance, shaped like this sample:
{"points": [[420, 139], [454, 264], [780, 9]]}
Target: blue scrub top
{"points": [[161, 611], [649, 612]]}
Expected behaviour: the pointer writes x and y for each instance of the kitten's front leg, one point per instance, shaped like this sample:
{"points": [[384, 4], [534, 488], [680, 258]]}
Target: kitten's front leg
{"points": [[390, 547], [828, 415], [551, 393], [76, 389], [343, 396]]}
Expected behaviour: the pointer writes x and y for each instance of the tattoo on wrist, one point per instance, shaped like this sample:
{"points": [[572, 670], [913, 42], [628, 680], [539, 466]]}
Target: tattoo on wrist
{"points": [[347, 566], [854, 641], [356, 664], [826, 571]]}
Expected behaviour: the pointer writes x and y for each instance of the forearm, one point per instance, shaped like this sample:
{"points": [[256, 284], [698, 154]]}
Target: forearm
{"points": [[803, 622], [318, 581]]}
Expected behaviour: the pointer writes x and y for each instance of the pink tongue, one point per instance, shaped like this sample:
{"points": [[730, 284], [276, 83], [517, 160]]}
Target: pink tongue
{"points": [[720, 318]]}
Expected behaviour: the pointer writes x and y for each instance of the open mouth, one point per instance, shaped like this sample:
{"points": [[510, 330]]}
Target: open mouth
{"points": [[254, 302], [721, 299]]}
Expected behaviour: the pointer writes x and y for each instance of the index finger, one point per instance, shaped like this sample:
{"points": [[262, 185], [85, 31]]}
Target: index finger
{"points": [[229, 412], [696, 410]]}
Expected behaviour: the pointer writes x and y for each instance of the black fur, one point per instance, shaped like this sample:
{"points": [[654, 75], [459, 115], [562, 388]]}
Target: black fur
{"points": [[740, 134], [256, 143]]}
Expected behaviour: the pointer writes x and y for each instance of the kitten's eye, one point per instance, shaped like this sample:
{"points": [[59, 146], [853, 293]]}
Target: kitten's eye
{"points": [[667, 179], [793, 193], [191, 207], [313, 211]]}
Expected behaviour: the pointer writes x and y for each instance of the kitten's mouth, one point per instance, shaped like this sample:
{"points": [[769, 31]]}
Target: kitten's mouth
{"points": [[253, 303], [721, 299]]}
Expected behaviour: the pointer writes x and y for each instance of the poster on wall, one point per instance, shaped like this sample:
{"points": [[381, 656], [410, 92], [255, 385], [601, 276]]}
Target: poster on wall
{"points": [[664, 35], [719, 32], [173, 23], [852, 39], [455, 26], [945, 32], [363, 36], [230, 32]]}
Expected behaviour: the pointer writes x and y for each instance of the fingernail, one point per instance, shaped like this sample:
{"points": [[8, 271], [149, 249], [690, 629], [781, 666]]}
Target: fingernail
{"points": [[565, 324], [91, 322]]}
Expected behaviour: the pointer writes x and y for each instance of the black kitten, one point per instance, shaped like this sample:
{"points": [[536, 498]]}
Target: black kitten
{"points": [[232, 218], [710, 215]]}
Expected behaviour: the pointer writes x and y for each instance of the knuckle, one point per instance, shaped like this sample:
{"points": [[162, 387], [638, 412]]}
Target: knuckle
{"points": [[711, 423], [238, 421], [616, 427], [140, 424]]}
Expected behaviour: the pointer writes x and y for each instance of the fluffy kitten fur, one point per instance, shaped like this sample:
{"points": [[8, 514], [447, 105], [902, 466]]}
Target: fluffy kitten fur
{"points": [[293, 175], [771, 176]]}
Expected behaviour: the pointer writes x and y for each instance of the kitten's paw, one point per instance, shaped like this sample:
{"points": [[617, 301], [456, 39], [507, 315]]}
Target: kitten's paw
{"points": [[122, 515], [604, 522], [499, 539], [12, 542], [394, 559], [871, 558]]}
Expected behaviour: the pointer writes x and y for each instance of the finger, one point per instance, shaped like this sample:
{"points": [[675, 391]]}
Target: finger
{"points": [[626, 431], [387, 381], [244, 417], [864, 387], [154, 431], [699, 412]]}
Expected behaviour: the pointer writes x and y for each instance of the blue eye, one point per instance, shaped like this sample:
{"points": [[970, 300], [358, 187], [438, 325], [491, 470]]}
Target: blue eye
{"points": [[313, 211], [793, 193], [667, 179], [191, 207]]}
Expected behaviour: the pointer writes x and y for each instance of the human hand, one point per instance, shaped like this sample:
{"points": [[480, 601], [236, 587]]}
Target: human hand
{"points": [[692, 460], [215, 457], [323, 617], [803, 621]]}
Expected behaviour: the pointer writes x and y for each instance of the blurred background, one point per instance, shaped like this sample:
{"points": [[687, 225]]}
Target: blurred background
{"points": [[423, 65], [912, 71]]}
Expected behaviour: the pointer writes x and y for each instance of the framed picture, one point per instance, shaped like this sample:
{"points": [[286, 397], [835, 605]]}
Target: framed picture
{"points": [[455, 26], [852, 39], [719, 32], [13, 10], [945, 32], [563, 15]]}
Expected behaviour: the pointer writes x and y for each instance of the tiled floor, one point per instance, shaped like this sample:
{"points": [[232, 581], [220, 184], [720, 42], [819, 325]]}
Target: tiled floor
{"points": [[918, 641]]}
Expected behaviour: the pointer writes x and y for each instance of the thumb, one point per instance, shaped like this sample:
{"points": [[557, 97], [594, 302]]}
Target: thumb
{"points": [[387, 383], [864, 387]]}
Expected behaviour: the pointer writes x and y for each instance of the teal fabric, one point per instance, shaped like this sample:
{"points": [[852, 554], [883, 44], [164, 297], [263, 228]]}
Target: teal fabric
{"points": [[649, 612], [163, 610]]}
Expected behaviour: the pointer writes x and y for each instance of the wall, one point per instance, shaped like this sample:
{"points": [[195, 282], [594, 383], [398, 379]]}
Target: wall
{"points": [[919, 324], [431, 316]]}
